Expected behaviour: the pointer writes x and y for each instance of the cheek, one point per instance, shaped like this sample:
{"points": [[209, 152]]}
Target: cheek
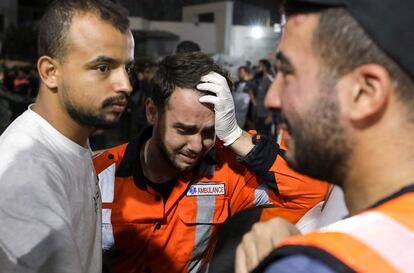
{"points": [[293, 98], [77, 92], [174, 140], [287, 99]]}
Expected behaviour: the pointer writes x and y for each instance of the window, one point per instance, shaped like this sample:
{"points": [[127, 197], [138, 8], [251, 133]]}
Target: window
{"points": [[206, 17]]}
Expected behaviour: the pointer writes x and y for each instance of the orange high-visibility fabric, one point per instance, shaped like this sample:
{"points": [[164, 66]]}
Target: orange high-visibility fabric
{"points": [[294, 186], [353, 252], [151, 234]]}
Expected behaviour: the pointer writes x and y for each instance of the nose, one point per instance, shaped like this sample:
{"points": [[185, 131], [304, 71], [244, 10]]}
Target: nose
{"points": [[272, 99], [195, 143], [122, 82]]}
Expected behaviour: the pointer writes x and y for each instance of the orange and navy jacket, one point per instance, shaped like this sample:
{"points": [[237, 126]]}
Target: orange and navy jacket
{"points": [[303, 188], [379, 240], [143, 233]]}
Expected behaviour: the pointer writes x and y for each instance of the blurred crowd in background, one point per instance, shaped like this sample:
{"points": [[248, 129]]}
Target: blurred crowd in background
{"points": [[19, 87]]}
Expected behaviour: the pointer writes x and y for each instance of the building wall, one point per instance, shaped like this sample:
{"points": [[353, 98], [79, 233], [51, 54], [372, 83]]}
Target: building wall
{"points": [[223, 18], [139, 23], [245, 47], [171, 10], [231, 42], [248, 15], [242, 46], [203, 34]]}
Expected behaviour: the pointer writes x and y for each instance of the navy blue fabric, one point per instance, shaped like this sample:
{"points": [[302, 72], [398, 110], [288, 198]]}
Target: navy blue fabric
{"points": [[298, 264]]}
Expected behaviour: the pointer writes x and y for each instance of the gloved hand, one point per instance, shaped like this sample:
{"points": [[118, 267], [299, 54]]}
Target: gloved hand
{"points": [[226, 125]]}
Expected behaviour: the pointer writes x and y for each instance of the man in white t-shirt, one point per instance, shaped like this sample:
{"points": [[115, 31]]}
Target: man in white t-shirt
{"points": [[50, 203]]}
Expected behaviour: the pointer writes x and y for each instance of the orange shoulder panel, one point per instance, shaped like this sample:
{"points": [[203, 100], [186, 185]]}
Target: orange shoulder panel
{"points": [[106, 158], [350, 251], [300, 193]]}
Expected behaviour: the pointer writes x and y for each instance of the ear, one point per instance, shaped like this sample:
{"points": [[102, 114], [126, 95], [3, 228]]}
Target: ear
{"points": [[370, 93], [151, 111], [48, 68]]}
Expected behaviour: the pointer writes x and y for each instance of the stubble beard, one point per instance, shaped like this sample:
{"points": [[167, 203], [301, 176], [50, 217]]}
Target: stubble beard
{"points": [[84, 117], [170, 158], [321, 147]]}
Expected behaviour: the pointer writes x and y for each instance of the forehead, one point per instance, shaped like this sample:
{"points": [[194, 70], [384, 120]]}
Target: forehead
{"points": [[296, 42], [89, 36], [183, 106]]}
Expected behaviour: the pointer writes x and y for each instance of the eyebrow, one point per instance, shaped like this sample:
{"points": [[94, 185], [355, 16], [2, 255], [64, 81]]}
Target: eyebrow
{"points": [[192, 127], [109, 60], [283, 58]]}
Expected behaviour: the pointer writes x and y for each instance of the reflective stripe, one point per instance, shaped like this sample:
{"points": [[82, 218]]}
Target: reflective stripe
{"points": [[279, 137], [206, 206], [391, 240], [106, 183], [106, 216], [261, 196], [347, 249], [108, 240]]}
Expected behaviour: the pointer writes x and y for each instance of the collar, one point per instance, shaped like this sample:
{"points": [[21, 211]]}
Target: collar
{"points": [[406, 189], [130, 161]]}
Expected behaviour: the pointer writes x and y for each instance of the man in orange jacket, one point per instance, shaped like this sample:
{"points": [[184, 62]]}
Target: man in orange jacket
{"points": [[346, 90], [166, 193]]}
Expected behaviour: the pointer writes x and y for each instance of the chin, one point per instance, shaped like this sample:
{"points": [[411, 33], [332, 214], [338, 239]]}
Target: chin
{"points": [[181, 166], [186, 167]]}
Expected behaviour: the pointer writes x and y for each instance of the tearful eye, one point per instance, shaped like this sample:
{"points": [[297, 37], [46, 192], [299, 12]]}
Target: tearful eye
{"points": [[102, 68]]}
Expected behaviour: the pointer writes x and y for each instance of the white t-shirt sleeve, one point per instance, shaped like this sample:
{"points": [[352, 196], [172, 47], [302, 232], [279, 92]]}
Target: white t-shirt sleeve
{"points": [[35, 234]]}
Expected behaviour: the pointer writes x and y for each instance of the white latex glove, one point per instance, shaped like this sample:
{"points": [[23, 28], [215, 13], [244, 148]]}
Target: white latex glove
{"points": [[226, 125]]}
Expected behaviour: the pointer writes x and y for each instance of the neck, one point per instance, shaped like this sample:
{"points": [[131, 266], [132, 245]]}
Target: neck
{"points": [[52, 111], [153, 165], [381, 166]]}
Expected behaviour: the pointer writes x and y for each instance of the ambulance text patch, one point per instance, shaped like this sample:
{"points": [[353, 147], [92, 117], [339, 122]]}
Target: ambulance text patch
{"points": [[206, 189]]}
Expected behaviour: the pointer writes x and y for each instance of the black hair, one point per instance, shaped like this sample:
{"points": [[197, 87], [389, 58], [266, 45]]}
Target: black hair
{"points": [[266, 64], [342, 45], [56, 21], [246, 69], [182, 70], [187, 47]]}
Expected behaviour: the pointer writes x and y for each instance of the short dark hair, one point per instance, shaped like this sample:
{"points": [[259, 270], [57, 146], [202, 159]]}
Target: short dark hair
{"points": [[182, 70], [246, 69], [187, 47], [342, 45], [266, 64], [56, 21]]}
